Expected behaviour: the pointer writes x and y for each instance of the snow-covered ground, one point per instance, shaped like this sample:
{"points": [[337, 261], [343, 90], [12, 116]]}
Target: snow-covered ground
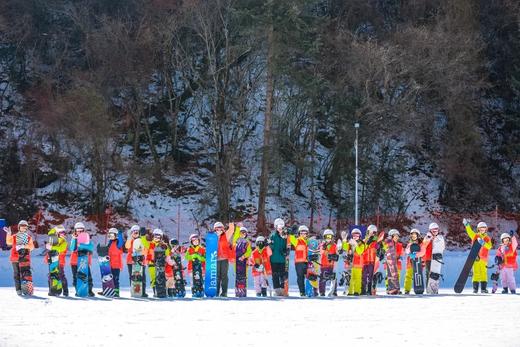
{"points": [[445, 320]]}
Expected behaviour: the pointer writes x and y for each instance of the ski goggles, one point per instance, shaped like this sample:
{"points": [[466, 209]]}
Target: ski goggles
{"points": [[328, 237]]}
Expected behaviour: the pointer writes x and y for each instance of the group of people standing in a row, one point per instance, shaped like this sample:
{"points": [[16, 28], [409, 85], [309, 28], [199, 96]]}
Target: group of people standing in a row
{"points": [[362, 256]]}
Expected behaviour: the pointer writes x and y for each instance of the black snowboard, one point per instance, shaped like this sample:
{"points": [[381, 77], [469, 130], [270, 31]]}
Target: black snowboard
{"points": [[418, 279], [179, 290], [197, 286], [464, 274], [160, 276]]}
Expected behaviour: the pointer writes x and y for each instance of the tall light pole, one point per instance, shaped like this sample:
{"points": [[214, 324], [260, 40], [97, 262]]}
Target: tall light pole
{"points": [[356, 126]]}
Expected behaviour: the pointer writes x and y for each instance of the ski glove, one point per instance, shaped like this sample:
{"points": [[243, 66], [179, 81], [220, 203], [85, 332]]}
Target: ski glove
{"points": [[412, 256], [465, 222]]}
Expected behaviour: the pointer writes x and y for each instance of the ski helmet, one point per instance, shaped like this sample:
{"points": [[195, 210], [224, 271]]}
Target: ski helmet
{"points": [[355, 231], [433, 226], [157, 232], [372, 227], [278, 222], [393, 232], [415, 231], [218, 225], [481, 225], [328, 232], [174, 242], [260, 239], [505, 236], [260, 242], [243, 230], [113, 231], [23, 222], [134, 228], [194, 237], [79, 225], [303, 228]]}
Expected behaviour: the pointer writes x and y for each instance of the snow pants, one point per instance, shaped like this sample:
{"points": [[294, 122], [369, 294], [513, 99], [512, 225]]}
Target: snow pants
{"points": [[74, 269], [408, 281], [16, 276], [115, 277], [301, 270], [368, 274], [480, 270], [326, 276], [507, 275], [355, 281], [278, 274], [222, 276], [260, 282]]}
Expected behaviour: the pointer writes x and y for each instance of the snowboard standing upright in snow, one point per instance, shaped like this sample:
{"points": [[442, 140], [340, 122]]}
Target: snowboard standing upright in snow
{"points": [[242, 252], [53, 259], [107, 281], [210, 284], [196, 255], [392, 269], [417, 270], [313, 268], [85, 248], [160, 277], [136, 289], [24, 261], [438, 246]]}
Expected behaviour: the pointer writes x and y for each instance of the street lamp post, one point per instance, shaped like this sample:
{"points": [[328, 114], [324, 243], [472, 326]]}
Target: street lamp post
{"points": [[356, 126]]}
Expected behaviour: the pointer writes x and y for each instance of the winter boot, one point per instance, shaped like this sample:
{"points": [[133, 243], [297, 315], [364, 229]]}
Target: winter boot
{"points": [[170, 292], [513, 291], [483, 287], [259, 295], [504, 291], [154, 293], [264, 292], [475, 287]]}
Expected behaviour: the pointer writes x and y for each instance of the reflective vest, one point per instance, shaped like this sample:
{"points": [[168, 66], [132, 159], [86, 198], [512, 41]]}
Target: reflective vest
{"points": [[261, 257], [329, 249], [300, 251]]}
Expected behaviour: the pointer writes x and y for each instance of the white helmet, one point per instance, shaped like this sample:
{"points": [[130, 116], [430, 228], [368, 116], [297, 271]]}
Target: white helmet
{"points": [[415, 231], [194, 236], [59, 229], [303, 228], [218, 225], [260, 239], [433, 226], [243, 229], [278, 222], [372, 227], [393, 232], [481, 225], [112, 231], [23, 222], [328, 232], [79, 225], [134, 227], [355, 231], [158, 232], [505, 236]]}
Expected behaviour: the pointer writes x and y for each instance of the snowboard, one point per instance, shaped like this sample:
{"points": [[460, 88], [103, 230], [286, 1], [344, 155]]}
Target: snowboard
{"points": [[313, 268], [346, 274], [107, 280], [24, 262], [436, 265], [83, 273], [331, 278], [160, 276], [210, 285], [136, 289], [240, 269], [197, 288], [179, 289], [286, 273], [464, 274], [418, 279], [53, 259], [494, 277], [391, 269]]}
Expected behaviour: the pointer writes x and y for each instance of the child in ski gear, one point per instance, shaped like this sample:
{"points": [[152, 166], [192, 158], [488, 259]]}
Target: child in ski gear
{"points": [[427, 258], [278, 244], [195, 252], [329, 257], [115, 252], [415, 238], [506, 258], [171, 267], [261, 267], [393, 237], [433, 246], [157, 239], [371, 241], [223, 255], [356, 247], [300, 255], [480, 265], [133, 234], [61, 248], [10, 240], [242, 253], [74, 247]]}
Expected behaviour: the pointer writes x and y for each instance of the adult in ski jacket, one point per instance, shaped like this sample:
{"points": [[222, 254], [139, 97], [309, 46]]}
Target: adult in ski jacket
{"points": [[506, 259], [300, 255], [74, 247], [372, 242], [61, 248], [278, 244], [223, 255], [10, 240], [356, 247], [261, 266], [480, 265], [328, 259]]}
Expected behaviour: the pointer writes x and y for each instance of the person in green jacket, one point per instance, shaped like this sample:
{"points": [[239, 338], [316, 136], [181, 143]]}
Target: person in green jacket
{"points": [[61, 248], [278, 244]]}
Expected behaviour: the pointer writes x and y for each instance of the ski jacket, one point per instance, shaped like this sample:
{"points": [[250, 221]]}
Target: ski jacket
{"points": [[10, 240], [115, 252], [357, 249], [261, 257], [224, 245], [61, 248], [300, 248], [248, 252], [150, 247], [370, 252], [484, 250], [278, 248], [74, 247], [170, 263], [193, 253], [509, 254], [325, 250], [418, 255]]}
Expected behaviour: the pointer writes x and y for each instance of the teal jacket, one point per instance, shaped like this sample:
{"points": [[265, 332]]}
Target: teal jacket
{"points": [[279, 247]]}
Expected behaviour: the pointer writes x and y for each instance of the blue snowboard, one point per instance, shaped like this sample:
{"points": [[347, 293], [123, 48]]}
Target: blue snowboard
{"points": [[107, 280], [210, 284], [82, 277]]}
